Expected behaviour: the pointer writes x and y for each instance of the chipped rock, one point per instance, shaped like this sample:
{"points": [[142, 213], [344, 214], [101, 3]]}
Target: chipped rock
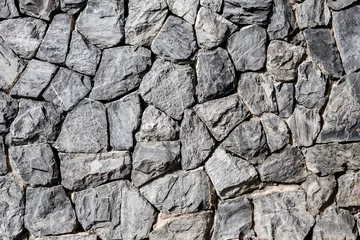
{"points": [[39, 9], [213, 5], [282, 21], [285, 98], [186, 9], [8, 111], [72, 6], [276, 131], [348, 189], [312, 13]]}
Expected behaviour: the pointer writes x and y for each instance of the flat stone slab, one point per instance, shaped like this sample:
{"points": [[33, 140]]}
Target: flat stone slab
{"points": [[276, 131], [282, 21], [313, 13], [284, 93]]}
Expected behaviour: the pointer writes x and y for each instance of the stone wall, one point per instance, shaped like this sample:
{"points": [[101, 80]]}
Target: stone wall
{"points": [[179, 119]]}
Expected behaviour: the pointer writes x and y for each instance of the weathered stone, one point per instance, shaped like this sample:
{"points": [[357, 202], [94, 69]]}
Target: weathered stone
{"points": [[169, 87], [8, 9], [124, 118], [72, 6], [48, 211], [121, 70], [348, 190], [84, 129], [258, 93], [213, 5], [282, 21], [285, 98], [78, 236], [23, 35], [102, 22], [109, 211], [312, 13], [230, 175], [180, 192], [39, 9], [8, 111], [247, 48], [338, 5], [83, 56], [3, 164], [80, 171], [175, 40], [152, 159], [34, 164], [34, 79], [276, 131], [186, 9], [55, 45]]}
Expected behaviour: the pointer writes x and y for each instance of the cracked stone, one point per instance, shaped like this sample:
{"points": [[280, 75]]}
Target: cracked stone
{"points": [[312, 13], [276, 131], [186, 9], [39, 9], [72, 6], [282, 21], [338, 5], [3, 165], [213, 5], [8, 111], [348, 189], [285, 98], [8, 9]]}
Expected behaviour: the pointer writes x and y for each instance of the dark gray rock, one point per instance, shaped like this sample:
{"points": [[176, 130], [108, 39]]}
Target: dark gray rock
{"points": [[48, 211], [3, 164], [338, 5], [39, 9], [348, 189], [8, 111], [109, 211], [8, 9], [152, 159], [78, 236], [285, 98], [312, 13], [213, 5], [186, 9], [282, 21], [72, 6], [121, 70], [169, 87], [124, 118], [276, 131], [175, 40], [80, 171]]}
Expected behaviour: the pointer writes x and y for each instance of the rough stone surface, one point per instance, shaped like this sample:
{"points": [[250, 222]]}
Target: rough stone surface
{"points": [[338, 5], [213, 5], [284, 93], [186, 9], [348, 190], [3, 165], [72, 6], [282, 21], [312, 13], [39, 9], [8, 9], [79, 236], [8, 111], [276, 131]]}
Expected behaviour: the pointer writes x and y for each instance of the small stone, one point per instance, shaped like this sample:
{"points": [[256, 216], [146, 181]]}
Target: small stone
{"points": [[34, 79], [285, 98], [8, 9], [78, 236], [55, 45], [312, 13], [3, 164], [230, 175], [348, 190], [258, 93], [121, 70], [84, 129], [83, 56], [180, 192], [8, 111], [175, 40], [276, 131], [81, 171], [186, 9], [213, 5], [102, 22], [282, 21], [39, 9], [114, 211], [124, 118], [215, 74], [152, 159], [338, 5], [169, 87], [72, 6]]}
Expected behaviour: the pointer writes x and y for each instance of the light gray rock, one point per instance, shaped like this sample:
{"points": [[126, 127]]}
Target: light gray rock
{"points": [[186, 9], [8, 9], [121, 70], [109, 211], [230, 175], [78, 236], [312, 13], [72, 6], [176, 39], [83, 56], [169, 87], [80, 171], [102, 22], [8, 111], [67, 89], [276, 131], [282, 21], [34, 79], [215, 74], [55, 45], [84, 129], [258, 93], [338, 5], [180, 192], [212, 29], [152, 159], [3, 164], [285, 98], [348, 189], [39, 9], [23, 35], [35, 164], [124, 118], [213, 5], [196, 141]]}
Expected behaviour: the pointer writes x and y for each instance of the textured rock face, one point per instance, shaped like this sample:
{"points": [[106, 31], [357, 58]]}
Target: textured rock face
{"points": [[213, 5], [79, 236], [72, 6], [276, 131], [282, 21], [284, 93], [313, 13], [8, 9], [3, 167], [186, 9], [39, 9], [8, 111], [338, 5], [348, 190]]}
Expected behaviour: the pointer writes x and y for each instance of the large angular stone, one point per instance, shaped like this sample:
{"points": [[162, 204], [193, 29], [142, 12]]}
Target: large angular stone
{"points": [[169, 87], [8, 9], [213, 5], [282, 21], [152, 159], [80, 171], [84, 129], [348, 189], [186, 9], [121, 70], [175, 40], [276, 131], [114, 211], [338, 5], [312, 13], [180, 192], [124, 118], [8, 111], [78, 236], [72, 6], [102, 22], [285, 98], [3, 164], [39, 9]]}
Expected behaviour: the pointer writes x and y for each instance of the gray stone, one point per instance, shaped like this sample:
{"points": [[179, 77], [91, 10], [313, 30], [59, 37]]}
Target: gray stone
{"points": [[84, 129], [78, 236], [34, 164], [338, 5], [215, 74], [196, 141], [180, 192], [8, 9], [121, 70], [282, 21], [114, 211], [213, 5], [230, 175], [285, 98], [83, 56], [246, 12], [124, 118], [55, 45], [72, 6], [169, 87], [212, 29], [102, 22], [34, 79], [276, 131], [175, 40], [39, 9], [247, 141], [152, 159], [23, 35], [67, 89], [305, 125], [157, 126], [348, 189], [258, 93], [186, 9], [80, 171], [3, 164], [312, 13], [8, 111]]}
